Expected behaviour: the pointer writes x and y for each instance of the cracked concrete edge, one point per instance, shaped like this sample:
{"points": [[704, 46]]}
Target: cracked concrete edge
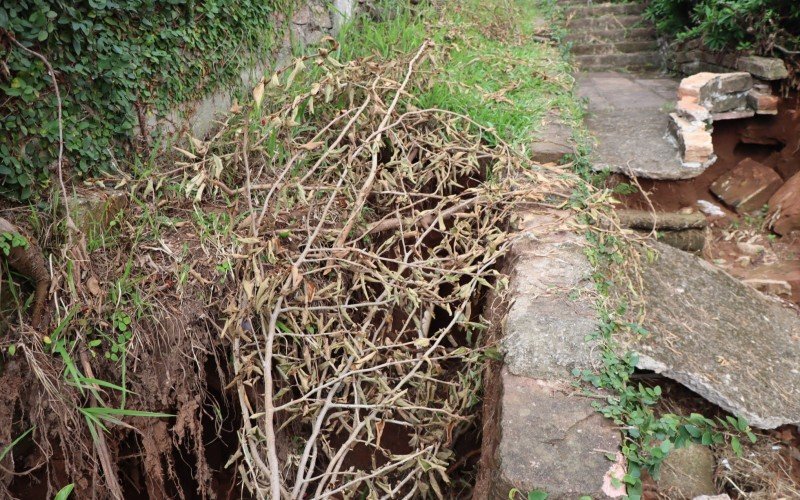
{"points": [[699, 385], [551, 240]]}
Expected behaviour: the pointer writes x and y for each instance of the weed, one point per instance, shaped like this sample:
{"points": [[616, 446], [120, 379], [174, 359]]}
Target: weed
{"points": [[64, 493], [13, 443], [9, 241]]}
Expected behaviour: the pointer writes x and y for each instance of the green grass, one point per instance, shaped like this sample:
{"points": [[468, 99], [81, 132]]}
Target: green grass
{"points": [[491, 68]]}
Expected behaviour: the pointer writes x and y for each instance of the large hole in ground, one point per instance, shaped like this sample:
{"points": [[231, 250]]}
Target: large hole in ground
{"points": [[740, 242]]}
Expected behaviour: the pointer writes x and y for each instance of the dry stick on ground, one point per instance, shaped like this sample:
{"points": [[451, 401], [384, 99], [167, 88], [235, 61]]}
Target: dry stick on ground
{"points": [[317, 164], [336, 462], [70, 224], [248, 183], [269, 408]]}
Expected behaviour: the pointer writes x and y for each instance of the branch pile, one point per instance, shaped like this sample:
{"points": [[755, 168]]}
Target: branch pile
{"points": [[369, 235]]}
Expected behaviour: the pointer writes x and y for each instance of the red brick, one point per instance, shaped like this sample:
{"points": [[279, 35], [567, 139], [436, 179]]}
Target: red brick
{"points": [[763, 103], [691, 85], [689, 109]]}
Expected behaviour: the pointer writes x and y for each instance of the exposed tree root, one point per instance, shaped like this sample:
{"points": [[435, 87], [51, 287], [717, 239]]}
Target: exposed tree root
{"points": [[29, 261]]}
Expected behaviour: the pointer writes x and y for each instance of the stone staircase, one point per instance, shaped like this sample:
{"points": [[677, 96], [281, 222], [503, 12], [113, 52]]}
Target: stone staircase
{"points": [[614, 36]]}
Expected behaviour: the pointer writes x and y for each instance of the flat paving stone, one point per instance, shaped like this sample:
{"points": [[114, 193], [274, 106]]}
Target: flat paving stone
{"points": [[553, 440], [628, 117], [720, 338], [553, 309], [552, 141], [540, 433]]}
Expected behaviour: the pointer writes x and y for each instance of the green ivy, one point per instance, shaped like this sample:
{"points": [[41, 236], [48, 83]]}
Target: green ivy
{"points": [[112, 58]]}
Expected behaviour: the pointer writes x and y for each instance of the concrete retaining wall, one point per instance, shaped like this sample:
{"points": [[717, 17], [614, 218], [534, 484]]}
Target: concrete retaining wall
{"points": [[311, 22]]}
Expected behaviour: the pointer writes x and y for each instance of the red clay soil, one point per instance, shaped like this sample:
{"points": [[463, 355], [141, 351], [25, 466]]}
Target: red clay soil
{"points": [[771, 140]]}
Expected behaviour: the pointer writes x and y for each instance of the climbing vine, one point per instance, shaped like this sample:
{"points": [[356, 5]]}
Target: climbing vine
{"points": [[115, 60]]}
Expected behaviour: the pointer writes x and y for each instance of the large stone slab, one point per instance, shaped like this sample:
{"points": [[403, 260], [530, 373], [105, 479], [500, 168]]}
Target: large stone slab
{"points": [[748, 186], [552, 440], [722, 339], [628, 121], [553, 307], [766, 68], [539, 432]]}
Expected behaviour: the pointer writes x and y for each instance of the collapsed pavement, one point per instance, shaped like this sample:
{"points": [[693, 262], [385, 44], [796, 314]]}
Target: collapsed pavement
{"points": [[709, 331]]}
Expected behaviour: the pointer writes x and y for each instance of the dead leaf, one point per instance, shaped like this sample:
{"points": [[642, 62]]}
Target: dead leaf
{"points": [[258, 93], [311, 146], [379, 425]]}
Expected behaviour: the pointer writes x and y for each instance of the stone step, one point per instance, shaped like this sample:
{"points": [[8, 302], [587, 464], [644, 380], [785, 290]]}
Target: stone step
{"points": [[638, 60], [582, 9], [615, 35], [624, 47], [607, 22]]}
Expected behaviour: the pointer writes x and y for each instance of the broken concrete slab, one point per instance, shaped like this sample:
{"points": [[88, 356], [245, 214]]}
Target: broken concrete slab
{"points": [[748, 186], [780, 273], [781, 288], [553, 440], [546, 326], [626, 117], [725, 341], [766, 68]]}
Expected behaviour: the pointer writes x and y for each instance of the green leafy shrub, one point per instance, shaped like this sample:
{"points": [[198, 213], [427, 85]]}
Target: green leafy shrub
{"points": [[113, 59], [730, 24]]}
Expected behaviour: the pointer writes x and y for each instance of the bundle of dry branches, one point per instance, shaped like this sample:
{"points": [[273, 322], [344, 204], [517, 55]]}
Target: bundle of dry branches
{"points": [[363, 236], [371, 230]]}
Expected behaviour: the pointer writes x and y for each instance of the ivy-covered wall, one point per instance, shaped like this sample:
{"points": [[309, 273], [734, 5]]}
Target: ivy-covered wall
{"points": [[117, 62]]}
